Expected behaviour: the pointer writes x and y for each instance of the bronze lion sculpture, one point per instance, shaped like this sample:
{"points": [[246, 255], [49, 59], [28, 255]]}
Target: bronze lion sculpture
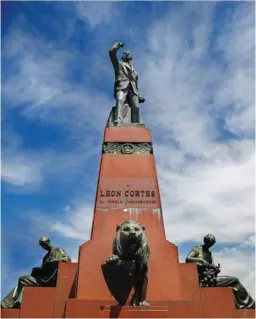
{"points": [[130, 244]]}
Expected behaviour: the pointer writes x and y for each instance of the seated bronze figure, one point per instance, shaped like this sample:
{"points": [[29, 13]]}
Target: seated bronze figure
{"points": [[208, 274], [127, 267], [46, 275]]}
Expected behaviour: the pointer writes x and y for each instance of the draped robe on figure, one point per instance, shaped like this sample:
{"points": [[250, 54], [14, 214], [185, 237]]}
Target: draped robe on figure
{"points": [[46, 275], [241, 296]]}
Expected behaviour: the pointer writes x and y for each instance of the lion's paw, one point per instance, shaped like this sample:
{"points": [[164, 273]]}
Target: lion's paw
{"points": [[143, 303]]}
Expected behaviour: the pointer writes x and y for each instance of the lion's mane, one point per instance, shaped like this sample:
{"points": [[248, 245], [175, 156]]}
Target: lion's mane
{"points": [[142, 251]]}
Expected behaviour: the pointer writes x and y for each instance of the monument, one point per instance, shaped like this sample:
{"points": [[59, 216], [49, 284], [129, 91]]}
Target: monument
{"points": [[128, 269]]}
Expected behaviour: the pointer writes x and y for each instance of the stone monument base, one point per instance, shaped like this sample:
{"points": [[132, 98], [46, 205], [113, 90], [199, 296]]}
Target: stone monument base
{"points": [[61, 302], [127, 189]]}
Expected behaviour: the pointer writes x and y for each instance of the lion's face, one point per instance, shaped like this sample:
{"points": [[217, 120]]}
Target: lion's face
{"points": [[131, 232]]}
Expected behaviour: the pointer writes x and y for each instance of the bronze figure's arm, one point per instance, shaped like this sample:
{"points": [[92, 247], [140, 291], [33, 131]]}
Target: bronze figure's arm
{"points": [[193, 258], [112, 54]]}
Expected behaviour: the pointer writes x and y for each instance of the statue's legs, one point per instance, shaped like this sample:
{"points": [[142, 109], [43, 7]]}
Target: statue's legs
{"points": [[7, 302], [133, 101], [14, 298], [121, 97], [241, 296], [120, 105]]}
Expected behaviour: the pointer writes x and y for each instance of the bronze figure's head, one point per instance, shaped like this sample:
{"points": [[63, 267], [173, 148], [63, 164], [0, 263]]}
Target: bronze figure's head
{"points": [[209, 240], [45, 243], [127, 56]]}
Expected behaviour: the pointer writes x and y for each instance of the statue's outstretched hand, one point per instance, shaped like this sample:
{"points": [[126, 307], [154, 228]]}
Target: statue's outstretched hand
{"points": [[112, 259], [141, 99], [205, 263]]}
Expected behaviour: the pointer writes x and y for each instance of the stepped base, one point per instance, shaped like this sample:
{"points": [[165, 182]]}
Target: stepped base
{"points": [[10, 313], [101, 309], [41, 303]]}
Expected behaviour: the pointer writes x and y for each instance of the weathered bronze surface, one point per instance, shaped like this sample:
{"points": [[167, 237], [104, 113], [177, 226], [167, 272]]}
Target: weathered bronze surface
{"points": [[126, 90], [208, 274], [130, 244], [46, 275]]}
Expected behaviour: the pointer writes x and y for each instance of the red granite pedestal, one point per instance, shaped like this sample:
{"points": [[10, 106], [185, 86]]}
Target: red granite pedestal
{"points": [[127, 189]]}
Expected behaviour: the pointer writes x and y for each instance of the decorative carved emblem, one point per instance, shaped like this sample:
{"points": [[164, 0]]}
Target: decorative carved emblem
{"points": [[127, 148]]}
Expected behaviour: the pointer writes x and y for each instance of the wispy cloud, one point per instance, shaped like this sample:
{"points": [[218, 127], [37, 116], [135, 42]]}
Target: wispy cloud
{"points": [[96, 13], [205, 159], [42, 83], [28, 168], [238, 262]]}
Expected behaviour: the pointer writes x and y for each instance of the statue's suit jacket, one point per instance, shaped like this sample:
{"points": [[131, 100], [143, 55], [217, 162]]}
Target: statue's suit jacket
{"points": [[124, 74]]}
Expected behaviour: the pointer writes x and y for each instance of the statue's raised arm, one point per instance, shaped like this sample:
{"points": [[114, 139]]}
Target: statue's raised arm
{"points": [[112, 54]]}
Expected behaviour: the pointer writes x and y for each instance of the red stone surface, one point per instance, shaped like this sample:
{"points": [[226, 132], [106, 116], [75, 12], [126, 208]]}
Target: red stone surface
{"points": [[138, 167], [106, 220], [135, 312], [164, 276], [37, 302], [101, 309], [245, 313], [218, 303], [84, 309], [10, 313], [127, 134], [128, 193], [182, 309], [191, 288], [66, 285]]}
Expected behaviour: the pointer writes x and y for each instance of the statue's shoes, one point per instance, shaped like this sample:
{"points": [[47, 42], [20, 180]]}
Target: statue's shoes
{"points": [[119, 121], [16, 305], [252, 306]]}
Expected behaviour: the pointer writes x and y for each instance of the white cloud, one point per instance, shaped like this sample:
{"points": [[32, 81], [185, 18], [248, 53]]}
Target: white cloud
{"points": [[95, 13], [238, 262], [29, 168], [203, 198], [40, 81], [69, 229], [76, 223], [206, 178], [21, 171]]}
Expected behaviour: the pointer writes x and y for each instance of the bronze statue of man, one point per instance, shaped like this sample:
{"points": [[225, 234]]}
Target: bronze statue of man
{"points": [[208, 272], [126, 90], [46, 275]]}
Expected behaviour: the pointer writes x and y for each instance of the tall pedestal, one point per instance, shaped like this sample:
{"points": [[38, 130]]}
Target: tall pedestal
{"points": [[127, 189]]}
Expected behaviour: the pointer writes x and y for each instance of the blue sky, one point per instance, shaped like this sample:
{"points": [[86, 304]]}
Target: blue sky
{"points": [[196, 70]]}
